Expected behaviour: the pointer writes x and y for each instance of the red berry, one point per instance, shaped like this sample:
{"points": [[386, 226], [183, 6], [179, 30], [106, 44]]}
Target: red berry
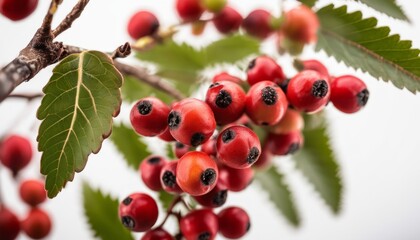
{"points": [[9, 224], [181, 149], [301, 24], [209, 147], [308, 91], [37, 224], [138, 212], [227, 101], [291, 121], [284, 144], [15, 153], [234, 222], [189, 10], [264, 68], [141, 24], [166, 136], [215, 198], [315, 65], [349, 94], [224, 76], [17, 9], [238, 147], [32, 192], [197, 173], [265, 103], [228, 20], [168, 176], [229, 176], [157, 234], [191, 122], [265, 160], [149, 116], [258, 23], [150, 169], [199, 224]]}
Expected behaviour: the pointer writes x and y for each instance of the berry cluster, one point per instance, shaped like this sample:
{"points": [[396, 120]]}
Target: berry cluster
{"points": [[16, 10], [15, 154]]}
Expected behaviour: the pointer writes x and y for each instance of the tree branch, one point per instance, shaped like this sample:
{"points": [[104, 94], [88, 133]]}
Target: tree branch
{"points": [[70, 18], [28, 97]]}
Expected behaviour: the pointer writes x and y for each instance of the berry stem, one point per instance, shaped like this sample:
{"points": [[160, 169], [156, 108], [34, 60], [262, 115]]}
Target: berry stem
{"points": [[170, 211]]}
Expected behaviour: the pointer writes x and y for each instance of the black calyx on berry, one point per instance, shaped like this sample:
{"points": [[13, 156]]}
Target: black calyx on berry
{"points": [[174, 119], [363, 97], [269, 95], [169, 179], [208, 177], [128, 222], [214, 85], [253, 155], [248, 226], [320, 88], [145, 107], [204, 236], [155, 26], [294, 147], [127, 201], [228, 136], [197, 139], [251, 64], [154, 160], [223, 99], [220, 198]]}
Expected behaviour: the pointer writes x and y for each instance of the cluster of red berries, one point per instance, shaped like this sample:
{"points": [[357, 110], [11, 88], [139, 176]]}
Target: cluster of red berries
{"points": [[16, 10]]}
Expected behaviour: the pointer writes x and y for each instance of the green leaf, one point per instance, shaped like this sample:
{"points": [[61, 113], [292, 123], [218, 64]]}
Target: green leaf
{"points": [[165, 199], [101, 212], [359, 43], [133, 89], [272, 182], [389, 7], [169, 151], [129, 145], [309, 3], [80, 100], [317, 162]]}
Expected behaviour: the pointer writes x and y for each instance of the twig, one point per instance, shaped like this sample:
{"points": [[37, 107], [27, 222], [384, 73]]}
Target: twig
{"points": [[122, 51], [169, 211], [28, 97], [70, 18]]}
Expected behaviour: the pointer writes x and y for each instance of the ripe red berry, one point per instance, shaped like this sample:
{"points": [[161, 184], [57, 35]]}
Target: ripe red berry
{"points": [[301, 24], [234, 222], [258, 23], [284, 144], [166, 136], [37, 224], [141, 24], [189, 10], [209, 147], [181, 149], [238, 147], [308, 91], [265, 103], [150, 169], [138, 212], [224, 76], [215, 198], [264, 68], [349, 94], [149, 116], [191, 122], [168, 176], [199, 224], [32, 192], [230, 178], [227, 101], [228, 20], [157, 234], [15, 153], [290, 122], [315, 65], [197, 173], [9, 224], [17, 9]]}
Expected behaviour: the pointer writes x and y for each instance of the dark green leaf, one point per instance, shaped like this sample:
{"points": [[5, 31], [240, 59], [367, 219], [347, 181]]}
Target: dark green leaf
{"points": [[101, 212], [80, 100], [129, 145], [309, 3], [359, 43], [389, 7], [272, 182], [317, 162], [165, 199], [133, 89]]}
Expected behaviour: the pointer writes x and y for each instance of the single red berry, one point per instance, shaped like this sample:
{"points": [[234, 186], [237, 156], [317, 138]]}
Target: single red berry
{"points": [[199, 225], [284, 144], [209, 147], [148, 116], [258, 23], [315, 65], [264, 68], [191, 122], [301, 24], [224, 76], [266, 103], [197, 173], [181, 149], [234, 222], [138, 212], [141, 24], [349, 94], [290, 122], [308, 91], [189, 10], [150, 169], [227, 101], [228, 20], [37, 224], [32, 192], [9, 224], [166, 136], [157, 234], [168, 176], [17, 10], [229, 176], [265, 160], [215, 198], [15, 153]]}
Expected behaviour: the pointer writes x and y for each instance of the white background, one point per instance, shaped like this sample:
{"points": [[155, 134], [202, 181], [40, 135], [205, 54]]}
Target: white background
{"points": [[377, 148]]}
